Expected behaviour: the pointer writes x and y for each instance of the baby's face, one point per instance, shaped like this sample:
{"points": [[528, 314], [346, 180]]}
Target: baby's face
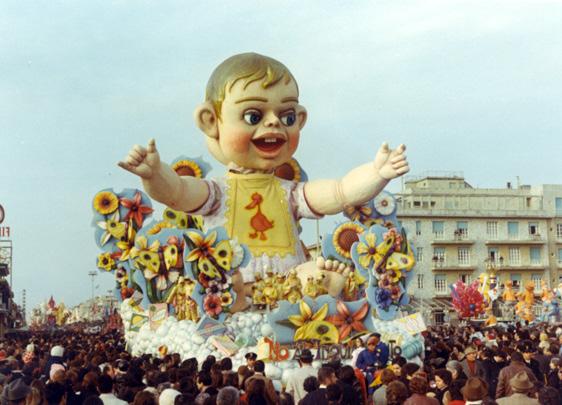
{"points": [[260, 128]]}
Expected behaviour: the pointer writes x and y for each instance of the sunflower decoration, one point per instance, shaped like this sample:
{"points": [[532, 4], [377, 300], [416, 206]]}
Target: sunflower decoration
{"points": [[313, 325], [291, 170], [106, 202], [361, 213], [192, 167], [345, 236]]}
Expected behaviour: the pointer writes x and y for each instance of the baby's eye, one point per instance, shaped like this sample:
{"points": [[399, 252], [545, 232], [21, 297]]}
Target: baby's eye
{"points": [[252, 117], [289, 119]]}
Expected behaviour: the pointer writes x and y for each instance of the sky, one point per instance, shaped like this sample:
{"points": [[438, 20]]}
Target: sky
{"points": [[471, 86]]}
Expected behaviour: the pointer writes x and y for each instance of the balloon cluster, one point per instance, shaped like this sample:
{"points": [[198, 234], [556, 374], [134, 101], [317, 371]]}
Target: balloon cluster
{"points": [[467, 300]]}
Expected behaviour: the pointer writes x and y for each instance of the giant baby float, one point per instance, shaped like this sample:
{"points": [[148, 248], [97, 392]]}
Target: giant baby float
{"points": [[223, 270]]}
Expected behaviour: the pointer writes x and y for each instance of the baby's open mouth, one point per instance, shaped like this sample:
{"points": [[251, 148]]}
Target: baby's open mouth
{"points": [[269, 144]]}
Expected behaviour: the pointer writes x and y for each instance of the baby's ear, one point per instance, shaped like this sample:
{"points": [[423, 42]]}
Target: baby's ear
{"points": [[206, 119], [301, 116]]}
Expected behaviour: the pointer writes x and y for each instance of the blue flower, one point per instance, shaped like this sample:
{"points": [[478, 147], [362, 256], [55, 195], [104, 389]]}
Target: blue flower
{"points": [[383, 298]]}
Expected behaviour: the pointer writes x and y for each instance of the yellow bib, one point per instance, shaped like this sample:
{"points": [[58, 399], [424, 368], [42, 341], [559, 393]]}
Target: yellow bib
{"points": [[257, 213]]}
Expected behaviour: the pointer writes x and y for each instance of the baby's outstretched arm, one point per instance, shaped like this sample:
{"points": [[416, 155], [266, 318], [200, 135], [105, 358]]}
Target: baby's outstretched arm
{"points": [[359, 185], [161, 182]]}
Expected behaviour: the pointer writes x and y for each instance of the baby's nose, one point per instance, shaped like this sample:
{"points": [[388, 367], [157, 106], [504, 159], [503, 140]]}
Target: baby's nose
{"points": [[272, 120]]}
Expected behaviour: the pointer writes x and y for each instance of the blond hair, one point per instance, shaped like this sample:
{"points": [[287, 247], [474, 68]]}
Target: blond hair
{"points": [[249, 67]]}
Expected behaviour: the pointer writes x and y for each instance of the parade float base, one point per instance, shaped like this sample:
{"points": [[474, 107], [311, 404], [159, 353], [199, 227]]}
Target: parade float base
{"points": [[246, 332]]}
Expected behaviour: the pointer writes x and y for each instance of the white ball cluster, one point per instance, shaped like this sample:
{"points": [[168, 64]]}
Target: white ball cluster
{"points": [[248, 328]]}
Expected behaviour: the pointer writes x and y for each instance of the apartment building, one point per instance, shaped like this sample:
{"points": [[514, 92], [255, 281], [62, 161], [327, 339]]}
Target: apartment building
{"points": [[460, 231]]}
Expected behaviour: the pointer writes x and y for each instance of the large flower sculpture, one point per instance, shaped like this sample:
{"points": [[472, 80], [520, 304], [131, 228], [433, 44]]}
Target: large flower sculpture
{"points": [[313, 325], [348, 322], [212, 258], [136, 210], [385, 255]]}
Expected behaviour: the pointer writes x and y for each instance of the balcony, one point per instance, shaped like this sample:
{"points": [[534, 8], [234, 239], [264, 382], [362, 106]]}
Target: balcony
{"points": [[440, 263], [520, 266], [459, 237], [529, 240]]}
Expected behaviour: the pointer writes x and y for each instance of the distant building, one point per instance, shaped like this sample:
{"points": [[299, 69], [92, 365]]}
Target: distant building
{"points": [[460, 231]]}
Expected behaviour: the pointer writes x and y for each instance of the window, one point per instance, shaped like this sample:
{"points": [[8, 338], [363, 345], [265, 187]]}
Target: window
{"points": [[437, 227], [516, 280], [439, 256], [418, 227], [492, 229], [466, 278], [513, 230], [463, 256], [537, 278], [535, 254], [514, 256], [417, 204], [420, 281], [558, 204], [493, 254], [462, 230], [559, 231], [419, 254], [440, 283], [559, 256], [533, 228]]}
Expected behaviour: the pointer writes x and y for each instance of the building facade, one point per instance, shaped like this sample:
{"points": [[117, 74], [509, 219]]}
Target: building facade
{"points": [[460, 231]]}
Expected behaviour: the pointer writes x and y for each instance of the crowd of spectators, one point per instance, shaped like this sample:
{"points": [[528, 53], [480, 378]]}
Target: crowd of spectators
{"points": [[462, 365]]}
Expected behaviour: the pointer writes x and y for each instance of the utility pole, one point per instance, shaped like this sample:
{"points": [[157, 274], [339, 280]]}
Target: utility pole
{"points": [[24, 306]]}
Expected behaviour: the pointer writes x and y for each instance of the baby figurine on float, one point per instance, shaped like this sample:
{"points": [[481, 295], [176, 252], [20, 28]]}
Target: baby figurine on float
{"points": [[252, 120]]}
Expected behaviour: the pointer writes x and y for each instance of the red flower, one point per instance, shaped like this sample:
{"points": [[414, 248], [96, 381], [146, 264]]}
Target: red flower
{"points": [[213, 305], [136, 210], [348, 322]]}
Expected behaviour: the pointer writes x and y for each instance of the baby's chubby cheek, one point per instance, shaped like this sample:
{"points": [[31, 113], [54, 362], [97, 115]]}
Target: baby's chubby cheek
{"points": [[293, 143], [236, 142]]}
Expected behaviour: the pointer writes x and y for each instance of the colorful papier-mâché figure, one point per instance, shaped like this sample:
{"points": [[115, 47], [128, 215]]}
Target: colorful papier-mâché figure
{"points": [[252, 120]]}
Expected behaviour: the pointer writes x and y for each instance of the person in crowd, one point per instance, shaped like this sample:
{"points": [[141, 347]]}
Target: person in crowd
{"points": [[548, 396], [105, 388], [489, 370], [351, 388], [387, 376], [516, 366], [145, 398], [455, 396], [375, 355], [396, 393], [228, 396], [251, 358], [443, 379], [475, 390], [326, 377], [456, 369], [408, 371], [167, 396], [295, 380], [470, 364], [527, 348], [419, 387], [259, 374], [522, 388]]}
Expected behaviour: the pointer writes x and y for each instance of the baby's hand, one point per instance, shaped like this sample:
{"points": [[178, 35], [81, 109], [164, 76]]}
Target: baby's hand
{"points": [[391, 163], [142, 161]]}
